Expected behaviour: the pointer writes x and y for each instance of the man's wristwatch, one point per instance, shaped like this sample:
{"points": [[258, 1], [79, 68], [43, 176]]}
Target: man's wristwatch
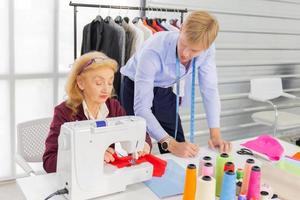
{"points": [[165, 143]]}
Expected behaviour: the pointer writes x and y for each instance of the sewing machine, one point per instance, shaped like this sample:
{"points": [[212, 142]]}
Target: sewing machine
{"points": [[80, 161]]}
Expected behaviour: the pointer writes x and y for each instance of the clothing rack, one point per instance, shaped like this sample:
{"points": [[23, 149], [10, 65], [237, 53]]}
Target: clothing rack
{"points": [[76, 5]]}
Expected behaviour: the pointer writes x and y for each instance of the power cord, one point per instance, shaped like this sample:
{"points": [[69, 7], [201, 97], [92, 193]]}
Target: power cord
{"points": [[58, 192]]}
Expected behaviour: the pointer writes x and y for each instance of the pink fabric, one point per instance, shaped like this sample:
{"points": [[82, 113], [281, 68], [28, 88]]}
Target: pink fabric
{"points": [[266, 145]]}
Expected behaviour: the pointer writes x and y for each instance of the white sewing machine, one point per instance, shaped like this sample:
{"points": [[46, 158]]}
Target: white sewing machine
{"points": [[80, 161]]}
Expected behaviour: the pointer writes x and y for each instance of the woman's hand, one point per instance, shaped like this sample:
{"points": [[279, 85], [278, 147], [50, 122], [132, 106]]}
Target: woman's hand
{"points": [[145, 151], [108, 156]]}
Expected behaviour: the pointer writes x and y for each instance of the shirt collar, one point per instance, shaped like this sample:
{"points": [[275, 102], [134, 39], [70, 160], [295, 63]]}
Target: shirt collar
{"points": [[102, 113]]}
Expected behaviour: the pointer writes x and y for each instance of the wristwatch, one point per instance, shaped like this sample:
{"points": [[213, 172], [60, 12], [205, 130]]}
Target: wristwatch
{"points": [[166, 143]]}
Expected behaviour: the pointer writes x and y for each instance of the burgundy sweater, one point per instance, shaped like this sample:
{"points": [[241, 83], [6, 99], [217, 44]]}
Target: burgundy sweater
{"points": [[62, 114]]}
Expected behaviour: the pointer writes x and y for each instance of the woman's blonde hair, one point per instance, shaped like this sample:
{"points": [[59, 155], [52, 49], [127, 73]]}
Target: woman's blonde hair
{"points": [[87, 62], [201, 27]]}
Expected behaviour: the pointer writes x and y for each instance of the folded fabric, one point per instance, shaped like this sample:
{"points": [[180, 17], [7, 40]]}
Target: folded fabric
{"points": [[171, 183], [159, 165], [267, 145]]}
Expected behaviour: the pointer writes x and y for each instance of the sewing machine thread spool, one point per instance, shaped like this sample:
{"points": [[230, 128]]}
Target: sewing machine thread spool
{"points": [[220, 162], [247, 171], [242, 197], [206, 188], [207, 169], [190, 182], [204, 160], [267, 188], [239, 174], [228, 190], [238, 187], [264, 195], [254, 183], [229, 166]]}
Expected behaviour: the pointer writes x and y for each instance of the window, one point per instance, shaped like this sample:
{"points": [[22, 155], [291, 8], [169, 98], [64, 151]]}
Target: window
{"points": [[36, 54]]}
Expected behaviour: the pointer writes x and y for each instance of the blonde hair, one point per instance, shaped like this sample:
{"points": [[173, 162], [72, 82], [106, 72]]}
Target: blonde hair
{"points": [[201, 27], [81, 65]]}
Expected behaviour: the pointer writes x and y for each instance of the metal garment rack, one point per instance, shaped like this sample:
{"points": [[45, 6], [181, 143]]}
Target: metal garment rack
{"points": [[76, 5]]}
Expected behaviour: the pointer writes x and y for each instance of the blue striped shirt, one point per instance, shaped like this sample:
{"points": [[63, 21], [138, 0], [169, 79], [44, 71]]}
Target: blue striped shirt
{"points": [[154, 65]]}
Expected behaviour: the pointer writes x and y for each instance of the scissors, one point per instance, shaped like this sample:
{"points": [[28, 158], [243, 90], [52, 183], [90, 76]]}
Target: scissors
{"points": [[245, 151]]}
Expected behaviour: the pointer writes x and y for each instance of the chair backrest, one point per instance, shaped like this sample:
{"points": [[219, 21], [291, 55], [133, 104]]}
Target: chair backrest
{"points": [[31, 136], [266, 88]]}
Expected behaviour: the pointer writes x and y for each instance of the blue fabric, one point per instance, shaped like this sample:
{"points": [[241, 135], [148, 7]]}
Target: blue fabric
{"points": [[171, 183], [154, 65]]}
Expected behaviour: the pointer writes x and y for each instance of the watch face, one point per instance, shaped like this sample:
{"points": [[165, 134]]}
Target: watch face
{"points": [[164, 145]]}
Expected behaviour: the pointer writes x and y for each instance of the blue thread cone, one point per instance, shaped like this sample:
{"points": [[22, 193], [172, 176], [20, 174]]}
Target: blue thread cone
{"points": [[228, 190]]}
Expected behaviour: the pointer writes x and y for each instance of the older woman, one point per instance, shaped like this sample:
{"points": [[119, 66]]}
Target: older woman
{"points": [[89, 88]]}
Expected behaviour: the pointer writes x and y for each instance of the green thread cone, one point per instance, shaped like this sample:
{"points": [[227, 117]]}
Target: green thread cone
{"points": [[220, 162]]}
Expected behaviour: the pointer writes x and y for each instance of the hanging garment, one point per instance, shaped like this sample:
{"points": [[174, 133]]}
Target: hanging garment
{"points": [[147, 32], [158, 22], [96, 37], [121, 37], [149, 27], [169, 26], [120, 52], [130, 34], [138, 38], [156, 26], [175, 22]]}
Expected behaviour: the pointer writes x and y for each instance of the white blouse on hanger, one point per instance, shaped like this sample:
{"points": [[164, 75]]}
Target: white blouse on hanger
{"points": [[147, 32], [138, 39]]}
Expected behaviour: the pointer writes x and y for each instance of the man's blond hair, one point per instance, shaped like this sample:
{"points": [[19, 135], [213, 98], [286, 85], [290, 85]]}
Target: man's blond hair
{"points": [[75, 96], [200, 27]]}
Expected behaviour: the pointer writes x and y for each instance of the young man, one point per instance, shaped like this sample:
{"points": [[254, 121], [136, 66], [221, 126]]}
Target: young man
{"points": [[150, 74]]}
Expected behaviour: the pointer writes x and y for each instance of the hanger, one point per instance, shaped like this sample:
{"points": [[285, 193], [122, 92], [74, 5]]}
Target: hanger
{"points": [[119, 19], [98, 17], [108, 18], [126, 18], [174, 19], [149, 20], [135, 20], [162, 19]]}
